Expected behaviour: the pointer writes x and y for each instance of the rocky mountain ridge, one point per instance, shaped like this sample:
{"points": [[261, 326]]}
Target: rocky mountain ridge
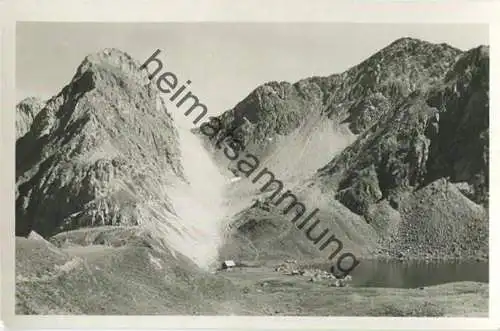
{"points": [[420, 113], [101, 152], [359, 96]]}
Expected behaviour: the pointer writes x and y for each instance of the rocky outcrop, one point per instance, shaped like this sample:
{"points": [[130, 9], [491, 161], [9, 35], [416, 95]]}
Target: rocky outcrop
{"points": [[26, 110], [101, 152]]}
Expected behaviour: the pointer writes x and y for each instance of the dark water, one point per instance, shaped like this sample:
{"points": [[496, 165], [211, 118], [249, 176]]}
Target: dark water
{"points": [[416, 274]]}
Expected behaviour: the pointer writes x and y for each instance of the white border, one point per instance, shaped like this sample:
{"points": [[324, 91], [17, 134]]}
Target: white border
{"points": [[229, 10]]}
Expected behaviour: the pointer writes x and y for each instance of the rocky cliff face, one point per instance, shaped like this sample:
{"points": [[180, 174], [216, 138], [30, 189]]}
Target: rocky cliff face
{"points": [[102, 152], [460, 149], [26, 110]]}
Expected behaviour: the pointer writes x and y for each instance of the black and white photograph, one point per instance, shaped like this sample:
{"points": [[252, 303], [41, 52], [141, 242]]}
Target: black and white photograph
{"points": [[252, 169], [281, 170]]}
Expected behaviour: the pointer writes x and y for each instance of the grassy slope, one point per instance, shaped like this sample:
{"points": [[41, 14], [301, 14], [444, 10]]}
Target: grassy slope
{"points": [[100, 279]]}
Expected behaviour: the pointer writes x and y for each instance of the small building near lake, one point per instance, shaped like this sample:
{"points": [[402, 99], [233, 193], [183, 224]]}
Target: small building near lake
{"points": [[228, 265]]}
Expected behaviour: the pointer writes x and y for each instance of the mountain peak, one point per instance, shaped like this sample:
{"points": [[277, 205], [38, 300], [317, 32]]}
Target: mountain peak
{"points": [[110, 60], [110, 56], [407, 40], [412, 46], [114, 132]]}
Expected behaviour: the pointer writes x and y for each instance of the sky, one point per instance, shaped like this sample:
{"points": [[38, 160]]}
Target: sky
{"points": [[224, 61]]}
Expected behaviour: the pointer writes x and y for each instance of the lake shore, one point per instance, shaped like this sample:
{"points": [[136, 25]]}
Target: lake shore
{"points": [[270, 294]]}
